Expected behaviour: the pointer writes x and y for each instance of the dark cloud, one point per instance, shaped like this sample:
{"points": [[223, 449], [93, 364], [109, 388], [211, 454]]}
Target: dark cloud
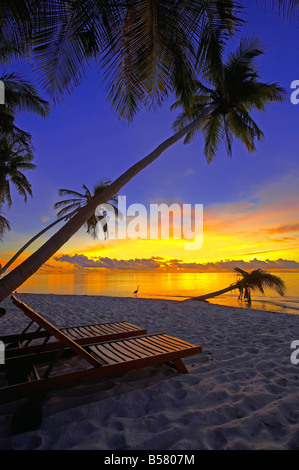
{"points": [[144, 264], [108, 263]]}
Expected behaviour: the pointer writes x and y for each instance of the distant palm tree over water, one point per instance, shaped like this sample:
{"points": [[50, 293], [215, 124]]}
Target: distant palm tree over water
{"points": [[257, 279]]}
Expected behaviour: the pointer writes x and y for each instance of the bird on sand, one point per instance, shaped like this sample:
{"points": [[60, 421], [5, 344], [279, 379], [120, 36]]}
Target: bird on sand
{"points": [[135, 292]]}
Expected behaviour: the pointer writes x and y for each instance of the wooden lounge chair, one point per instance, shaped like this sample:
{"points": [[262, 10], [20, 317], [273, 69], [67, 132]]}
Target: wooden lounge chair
{"points": [[21, 344], [101, 360]]}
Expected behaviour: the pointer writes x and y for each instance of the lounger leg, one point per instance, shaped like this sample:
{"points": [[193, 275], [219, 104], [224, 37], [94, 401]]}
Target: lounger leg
{"points": [[180, 366]]}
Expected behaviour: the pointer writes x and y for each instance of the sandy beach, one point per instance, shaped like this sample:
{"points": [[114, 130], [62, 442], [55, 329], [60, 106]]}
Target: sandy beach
{"points": [[240, 393]]}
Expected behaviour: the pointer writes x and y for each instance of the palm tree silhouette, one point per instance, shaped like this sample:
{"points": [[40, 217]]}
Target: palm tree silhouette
{"points": [[233, 113], [67, 207], [4, 225], [16, 150], [14, 159], [233, 90], [20, 95], [257, 279]]}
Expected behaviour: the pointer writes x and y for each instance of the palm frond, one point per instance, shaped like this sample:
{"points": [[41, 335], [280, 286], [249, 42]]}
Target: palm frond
{"points": [[286, 8], [213, 133], [66, 36], [145, 49], [69, 192], [4, 226], [21, 95]]}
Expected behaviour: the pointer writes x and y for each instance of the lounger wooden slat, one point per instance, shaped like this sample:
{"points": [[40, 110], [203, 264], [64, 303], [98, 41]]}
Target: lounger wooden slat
{"points": [[159, 345], [132, 351], [123, 352], [84, 335], [148, 346], [141, 346], [140, 351], [102, 355], [114, 354], [171, 340], [107, 328]]}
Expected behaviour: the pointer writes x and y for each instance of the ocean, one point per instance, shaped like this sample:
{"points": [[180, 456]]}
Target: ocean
{"points": [[174, 286]]}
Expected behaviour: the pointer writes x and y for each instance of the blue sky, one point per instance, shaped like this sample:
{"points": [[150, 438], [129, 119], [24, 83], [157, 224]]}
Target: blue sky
{"points": [[82, 141]]}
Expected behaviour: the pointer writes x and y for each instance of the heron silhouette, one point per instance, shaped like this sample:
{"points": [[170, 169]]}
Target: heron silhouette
{"points": [[135, 292]]}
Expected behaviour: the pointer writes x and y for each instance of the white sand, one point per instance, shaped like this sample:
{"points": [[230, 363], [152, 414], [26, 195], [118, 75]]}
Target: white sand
{"points": [[241, 392]]}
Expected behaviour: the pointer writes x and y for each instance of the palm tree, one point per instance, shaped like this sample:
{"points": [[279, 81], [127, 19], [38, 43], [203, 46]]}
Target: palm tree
{"points": [[234, 90], [256, 95], [4, 225], [16, 150], [20, 95], [69, 208], [78, 200], [256, 279], [12, 161]]}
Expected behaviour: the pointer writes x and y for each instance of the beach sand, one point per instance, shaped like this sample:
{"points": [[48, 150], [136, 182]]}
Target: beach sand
{"points": [[240, 393]]}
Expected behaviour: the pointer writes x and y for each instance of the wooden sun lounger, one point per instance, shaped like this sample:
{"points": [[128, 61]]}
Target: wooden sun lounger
{"points": [[20, 344], [102, 360]]}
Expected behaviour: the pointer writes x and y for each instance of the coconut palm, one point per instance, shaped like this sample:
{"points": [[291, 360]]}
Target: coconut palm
{"points": [[67, 207], [257, 279], [12, 161], [4, 225], [256, 94], [20, 95], [234, 91]]}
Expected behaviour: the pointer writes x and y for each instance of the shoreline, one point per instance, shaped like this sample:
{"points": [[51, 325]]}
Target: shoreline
{"points": [[225, 301], [241, 391]]}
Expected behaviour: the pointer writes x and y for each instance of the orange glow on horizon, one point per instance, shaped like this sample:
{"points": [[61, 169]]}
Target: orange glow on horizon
{"points": [[232, 231]]}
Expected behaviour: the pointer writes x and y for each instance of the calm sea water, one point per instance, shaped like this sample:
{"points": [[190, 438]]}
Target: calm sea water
{"points": [[175, 286]]}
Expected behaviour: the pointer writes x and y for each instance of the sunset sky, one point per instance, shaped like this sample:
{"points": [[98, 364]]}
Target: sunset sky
{"points": [[250, 202]]}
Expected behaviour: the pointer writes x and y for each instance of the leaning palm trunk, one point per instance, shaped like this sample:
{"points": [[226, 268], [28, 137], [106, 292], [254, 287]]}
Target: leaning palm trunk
{"points": [[24, 247], [216, 293], [21, 273]]}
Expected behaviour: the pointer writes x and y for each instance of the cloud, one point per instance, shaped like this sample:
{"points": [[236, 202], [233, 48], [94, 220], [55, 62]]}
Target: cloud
{"points": [[283, 228], [109, 263], [149, 264]]}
